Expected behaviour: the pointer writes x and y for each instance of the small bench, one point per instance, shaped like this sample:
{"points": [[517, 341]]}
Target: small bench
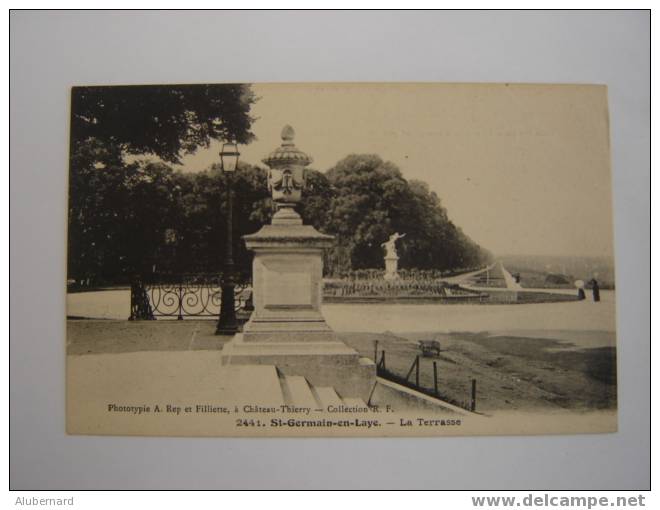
{"points": [[430, 348]]}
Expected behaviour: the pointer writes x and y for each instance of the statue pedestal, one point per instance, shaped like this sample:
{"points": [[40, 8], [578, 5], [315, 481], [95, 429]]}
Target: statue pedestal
{"points": [[391, 268], [287, 328]]}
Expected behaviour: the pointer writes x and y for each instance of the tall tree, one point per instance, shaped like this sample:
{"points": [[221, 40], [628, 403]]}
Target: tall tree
{"points": [[371, 199], [145, 217], [119, 211], [163, 120], [118, 219]]}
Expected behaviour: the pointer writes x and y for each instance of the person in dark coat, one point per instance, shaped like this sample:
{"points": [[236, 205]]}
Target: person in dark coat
{"points": [[595, 289]]}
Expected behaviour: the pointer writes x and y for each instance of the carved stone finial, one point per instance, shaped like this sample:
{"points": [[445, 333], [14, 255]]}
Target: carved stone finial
{"points": [[287, 154], [288, 133]]}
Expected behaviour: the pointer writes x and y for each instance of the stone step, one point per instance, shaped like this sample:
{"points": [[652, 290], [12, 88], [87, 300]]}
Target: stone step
{"points": [[254, 384], [327, 396], [298, 391]]}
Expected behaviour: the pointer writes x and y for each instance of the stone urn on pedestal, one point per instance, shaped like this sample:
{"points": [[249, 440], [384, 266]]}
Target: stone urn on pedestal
{"points": [[287, 328]]}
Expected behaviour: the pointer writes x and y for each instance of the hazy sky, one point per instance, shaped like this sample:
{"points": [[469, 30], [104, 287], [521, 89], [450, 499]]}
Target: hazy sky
{"points": [[522, 169]]}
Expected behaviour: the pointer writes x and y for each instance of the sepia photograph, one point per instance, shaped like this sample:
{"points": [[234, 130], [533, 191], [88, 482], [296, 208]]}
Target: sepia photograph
{"points": [[340, 259]]}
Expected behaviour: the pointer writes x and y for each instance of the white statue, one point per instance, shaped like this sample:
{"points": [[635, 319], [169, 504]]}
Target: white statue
{"points": [[390, 245], [391, 257]]}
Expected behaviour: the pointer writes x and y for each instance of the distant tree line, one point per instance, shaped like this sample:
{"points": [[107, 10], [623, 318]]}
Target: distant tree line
{"points": [[129, 218], [362, 200], [144, 217]]}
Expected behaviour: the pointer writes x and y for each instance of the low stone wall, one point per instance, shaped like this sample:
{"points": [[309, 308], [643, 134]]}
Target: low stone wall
{"points": [[477, 298], [526, 297], [471, 298], [398, 290]]}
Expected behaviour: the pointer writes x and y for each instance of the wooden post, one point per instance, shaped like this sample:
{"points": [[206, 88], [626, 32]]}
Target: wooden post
{"points": [[376, 351], [410, 371], [435, 377], [417, 372], [473, 401]]}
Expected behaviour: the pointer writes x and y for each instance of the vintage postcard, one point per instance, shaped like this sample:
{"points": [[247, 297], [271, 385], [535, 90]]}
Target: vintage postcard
{"points": [[340, 259]]}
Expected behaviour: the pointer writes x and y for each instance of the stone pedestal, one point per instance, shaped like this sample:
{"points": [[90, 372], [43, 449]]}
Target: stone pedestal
{"points": [[391, 268], [287, 328], [324, 364]]}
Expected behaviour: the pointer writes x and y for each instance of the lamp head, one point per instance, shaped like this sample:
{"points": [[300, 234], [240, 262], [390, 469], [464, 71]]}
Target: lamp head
{"points": [[229, 157]]}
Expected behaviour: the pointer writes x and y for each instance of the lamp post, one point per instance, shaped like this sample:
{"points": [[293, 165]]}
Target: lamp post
{"points": [[227, 324]]}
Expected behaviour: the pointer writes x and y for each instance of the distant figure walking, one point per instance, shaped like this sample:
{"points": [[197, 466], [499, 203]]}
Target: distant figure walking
{"points": [[579, 284], [595, 289]]}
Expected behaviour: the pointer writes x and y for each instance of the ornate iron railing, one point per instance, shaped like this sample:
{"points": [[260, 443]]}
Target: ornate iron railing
{"points": [[185, 295]]}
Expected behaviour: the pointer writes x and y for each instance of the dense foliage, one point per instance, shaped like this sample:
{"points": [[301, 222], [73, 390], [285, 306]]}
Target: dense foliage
{"points": [[165, 121], [143, 217], [132, 217], [362, 200], [124, 217]]}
